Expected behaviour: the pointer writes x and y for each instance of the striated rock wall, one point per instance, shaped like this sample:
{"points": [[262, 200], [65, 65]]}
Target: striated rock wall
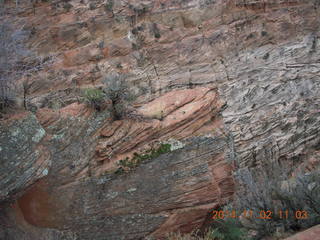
{"points": [[237, 82], [160, 195], [24, 159]]}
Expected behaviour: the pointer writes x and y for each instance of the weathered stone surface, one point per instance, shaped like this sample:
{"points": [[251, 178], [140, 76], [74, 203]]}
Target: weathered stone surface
{"points": [[245, 70], [23, 158], [178, 115], [82, 56], [183, 184]]}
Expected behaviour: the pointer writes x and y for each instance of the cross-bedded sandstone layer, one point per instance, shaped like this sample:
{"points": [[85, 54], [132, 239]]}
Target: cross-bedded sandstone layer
{"points": [[237, 82]]}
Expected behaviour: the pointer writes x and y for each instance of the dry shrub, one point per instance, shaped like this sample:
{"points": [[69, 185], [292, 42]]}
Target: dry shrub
{"points": [[274, 188]]}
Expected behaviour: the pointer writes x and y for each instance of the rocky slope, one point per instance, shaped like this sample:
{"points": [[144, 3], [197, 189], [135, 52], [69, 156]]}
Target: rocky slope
{"points": [[234, 83], [308, 234]]}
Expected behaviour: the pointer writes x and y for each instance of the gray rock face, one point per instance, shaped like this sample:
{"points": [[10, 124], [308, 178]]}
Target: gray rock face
{"points": [[23, 159], [166, 187], [260, 57], [176, 185], [273, 104]]}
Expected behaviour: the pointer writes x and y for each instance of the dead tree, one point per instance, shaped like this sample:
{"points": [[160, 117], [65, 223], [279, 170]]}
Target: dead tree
{"points": [[16, 61]]}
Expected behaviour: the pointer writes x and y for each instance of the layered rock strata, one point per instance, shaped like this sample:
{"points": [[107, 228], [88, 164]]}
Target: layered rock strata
{"points": [[236, 82]]}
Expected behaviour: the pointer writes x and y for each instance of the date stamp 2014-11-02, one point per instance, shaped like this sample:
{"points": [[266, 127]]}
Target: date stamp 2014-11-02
{"points": [[263, 214]]}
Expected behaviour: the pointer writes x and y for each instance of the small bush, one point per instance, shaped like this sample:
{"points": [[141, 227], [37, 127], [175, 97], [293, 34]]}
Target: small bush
{"points": [[16, 61], [95, 97], [227, 229], [155, 30], [190, 236], [118, 91], [67, 6], [223, 230], [7, 96], [127, 164], [109, 6], [139, 9]]}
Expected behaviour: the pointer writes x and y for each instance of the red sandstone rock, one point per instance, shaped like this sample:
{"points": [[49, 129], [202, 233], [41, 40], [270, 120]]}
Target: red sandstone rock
{"points": [[242, 73]]}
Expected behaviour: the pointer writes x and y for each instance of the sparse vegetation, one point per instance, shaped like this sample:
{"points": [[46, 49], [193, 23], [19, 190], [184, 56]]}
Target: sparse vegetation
{"points": [[273, 189], [292, 200], [127, 164], [67, 6], [229, 229], [155, 30], [190, 236], [94, 97], [109, 6], [139, 9], [11, 63], [7, 96], [8, 63], [16, 61], [118, 91], [92, 6]]}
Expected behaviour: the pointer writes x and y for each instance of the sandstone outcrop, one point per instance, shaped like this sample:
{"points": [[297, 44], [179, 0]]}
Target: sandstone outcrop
{"points": [[178, 115], [236, 82]]}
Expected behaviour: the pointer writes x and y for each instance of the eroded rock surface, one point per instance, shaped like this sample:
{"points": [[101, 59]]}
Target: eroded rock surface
{"points": [[24, 159], [177, 115], [237, 82]]}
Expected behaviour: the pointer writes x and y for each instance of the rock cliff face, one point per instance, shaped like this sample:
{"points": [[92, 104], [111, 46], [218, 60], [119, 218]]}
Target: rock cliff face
{"points": [[235, 83]]}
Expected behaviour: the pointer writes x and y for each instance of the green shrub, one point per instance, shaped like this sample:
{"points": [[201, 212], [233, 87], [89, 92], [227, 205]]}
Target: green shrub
{"points": [[222, 230], [92, 6], [120, 94], [117, 91], [189, 236], [67, 6], [95, 97], [109, 6], [227, 229], [128, 164]]}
